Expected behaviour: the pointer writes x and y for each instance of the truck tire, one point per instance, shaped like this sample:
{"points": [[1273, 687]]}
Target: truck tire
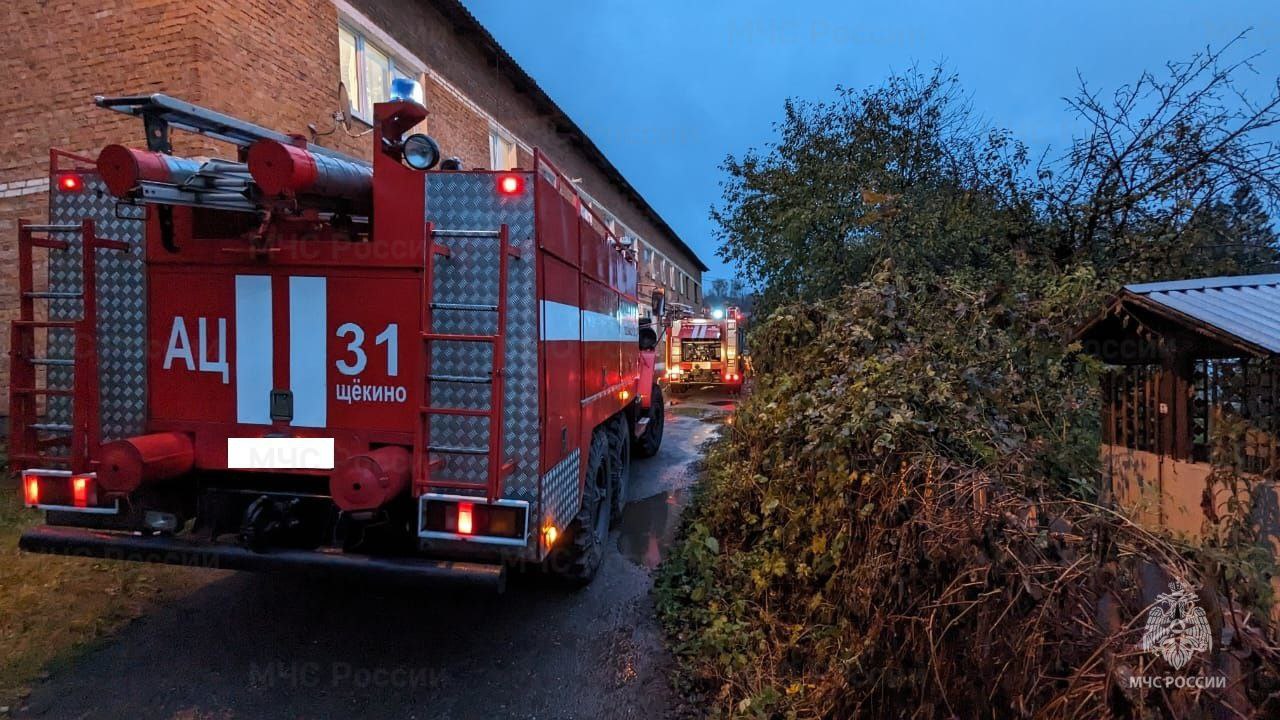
{"points": [[647, 445], [619, 466], [576, 558]]}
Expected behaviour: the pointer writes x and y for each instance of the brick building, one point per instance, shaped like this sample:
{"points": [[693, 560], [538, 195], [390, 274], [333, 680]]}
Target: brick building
{"points": [[278, 63]]}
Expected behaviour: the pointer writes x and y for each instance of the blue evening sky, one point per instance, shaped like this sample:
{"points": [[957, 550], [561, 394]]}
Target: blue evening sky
{"points": [[668, 88]]}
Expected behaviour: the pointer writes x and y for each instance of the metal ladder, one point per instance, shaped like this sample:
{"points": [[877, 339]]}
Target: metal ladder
{"points": [[26, 446], [497, 470]]}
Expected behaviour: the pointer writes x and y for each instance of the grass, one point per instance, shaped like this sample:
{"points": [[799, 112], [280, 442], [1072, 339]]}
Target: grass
{"points": [[53, 607]]}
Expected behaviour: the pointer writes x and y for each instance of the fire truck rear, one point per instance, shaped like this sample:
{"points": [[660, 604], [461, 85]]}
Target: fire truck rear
{"points": [[706, 351], [300, 360]]}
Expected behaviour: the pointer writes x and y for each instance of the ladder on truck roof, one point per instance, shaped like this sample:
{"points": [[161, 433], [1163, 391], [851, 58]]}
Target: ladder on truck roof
{"points": [[29, 438], [497, 468]]}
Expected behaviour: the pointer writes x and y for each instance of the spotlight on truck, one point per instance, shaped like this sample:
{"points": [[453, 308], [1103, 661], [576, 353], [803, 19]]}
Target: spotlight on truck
{"points": [[420, 152]]}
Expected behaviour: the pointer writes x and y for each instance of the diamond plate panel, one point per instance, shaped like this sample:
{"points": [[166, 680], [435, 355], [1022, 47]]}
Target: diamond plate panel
{"points": [[560, 491], [121, 308], [469, 201]]}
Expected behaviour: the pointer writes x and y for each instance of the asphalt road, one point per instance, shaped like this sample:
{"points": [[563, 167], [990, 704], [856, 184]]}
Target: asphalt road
{"points": [[262, 647]]}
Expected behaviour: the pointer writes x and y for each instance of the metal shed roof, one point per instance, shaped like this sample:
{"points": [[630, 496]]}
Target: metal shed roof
{"points": [[1245, 306]]}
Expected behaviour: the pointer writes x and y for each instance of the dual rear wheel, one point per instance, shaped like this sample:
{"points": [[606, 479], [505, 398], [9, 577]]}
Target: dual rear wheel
{"points": [[577, 556]]}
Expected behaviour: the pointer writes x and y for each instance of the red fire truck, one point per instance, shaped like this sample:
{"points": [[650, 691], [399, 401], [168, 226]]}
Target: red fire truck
{"points": [[298, 359], [707, 351]]}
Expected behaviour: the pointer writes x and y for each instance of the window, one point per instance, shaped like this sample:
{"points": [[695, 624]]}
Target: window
{"points": [[502, 151], [367, 71]]}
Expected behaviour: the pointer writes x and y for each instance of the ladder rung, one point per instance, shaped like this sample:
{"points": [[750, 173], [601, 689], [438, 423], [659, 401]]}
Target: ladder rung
{"points": [[473, 379], [55, 228], [464, 306], [112, 244], [468, 412], [454, 337], [442, 250], [448, 450], [469, 233], [457, 484], [50, 427], [42, 391], [50, 243], [53, 295], [514, 251], [46, 323], [58, 362], [506, 468]]}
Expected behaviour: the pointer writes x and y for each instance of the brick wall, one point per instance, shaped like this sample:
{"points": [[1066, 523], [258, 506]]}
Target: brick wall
{"points": [[272, 62]]}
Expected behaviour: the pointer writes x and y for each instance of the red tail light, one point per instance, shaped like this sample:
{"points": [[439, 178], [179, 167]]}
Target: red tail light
{"points": [[80, 491], [464, 518], [510, 184], [31, 486], [70, 182]]}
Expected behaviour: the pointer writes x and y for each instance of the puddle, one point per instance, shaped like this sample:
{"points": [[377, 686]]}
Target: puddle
{"points": [[722, 403], [649, 527]]}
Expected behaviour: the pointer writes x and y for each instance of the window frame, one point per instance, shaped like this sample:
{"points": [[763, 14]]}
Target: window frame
{"points": [[496, 133], [360, 97]]}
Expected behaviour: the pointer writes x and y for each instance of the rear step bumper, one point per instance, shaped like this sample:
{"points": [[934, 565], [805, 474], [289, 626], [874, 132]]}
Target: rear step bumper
{"points": [[79, 542]]}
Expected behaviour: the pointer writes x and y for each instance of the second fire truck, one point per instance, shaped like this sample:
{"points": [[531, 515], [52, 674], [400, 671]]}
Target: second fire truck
{"points": [[706, 351]]}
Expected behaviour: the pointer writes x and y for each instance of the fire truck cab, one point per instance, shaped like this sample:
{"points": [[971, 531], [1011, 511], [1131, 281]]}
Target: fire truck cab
{"points": [[296, 359], [706, 351]]}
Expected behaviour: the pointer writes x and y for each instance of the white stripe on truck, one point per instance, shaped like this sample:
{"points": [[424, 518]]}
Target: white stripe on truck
{"points": [[253, 349], [308, 359], [566, 322], [560, 321]]}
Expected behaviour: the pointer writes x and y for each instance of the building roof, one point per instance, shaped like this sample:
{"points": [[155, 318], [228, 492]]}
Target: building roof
{"points": [[1246, 306], [468, 26]]}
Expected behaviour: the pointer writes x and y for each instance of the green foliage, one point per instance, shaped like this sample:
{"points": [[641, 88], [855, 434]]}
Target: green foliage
{"points": [[901, 521], [1173, 178], [900, 171], [891, 516]]}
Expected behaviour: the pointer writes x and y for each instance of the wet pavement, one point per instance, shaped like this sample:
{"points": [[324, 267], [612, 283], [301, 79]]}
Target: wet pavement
{"points": [[261, 647], [652, 515], [649, 526]]}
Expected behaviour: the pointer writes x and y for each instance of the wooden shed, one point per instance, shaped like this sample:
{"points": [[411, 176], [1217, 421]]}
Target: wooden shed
{"points": [[1188, 359]]}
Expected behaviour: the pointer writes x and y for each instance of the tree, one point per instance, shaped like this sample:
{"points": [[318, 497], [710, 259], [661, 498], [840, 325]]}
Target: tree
{"points": [[1173, 178], [903, 171], [1165, 162]]}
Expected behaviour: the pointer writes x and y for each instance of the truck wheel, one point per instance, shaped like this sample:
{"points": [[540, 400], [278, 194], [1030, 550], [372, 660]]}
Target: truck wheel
{"points": [[647, 444], [619, 466], [577, 558]]}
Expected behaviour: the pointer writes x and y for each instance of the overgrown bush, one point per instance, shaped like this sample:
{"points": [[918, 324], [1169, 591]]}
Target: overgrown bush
{"points": [[891, 527]]}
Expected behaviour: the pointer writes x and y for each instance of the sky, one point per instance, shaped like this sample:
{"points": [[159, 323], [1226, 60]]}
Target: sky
{"points": [[669, 88]]}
